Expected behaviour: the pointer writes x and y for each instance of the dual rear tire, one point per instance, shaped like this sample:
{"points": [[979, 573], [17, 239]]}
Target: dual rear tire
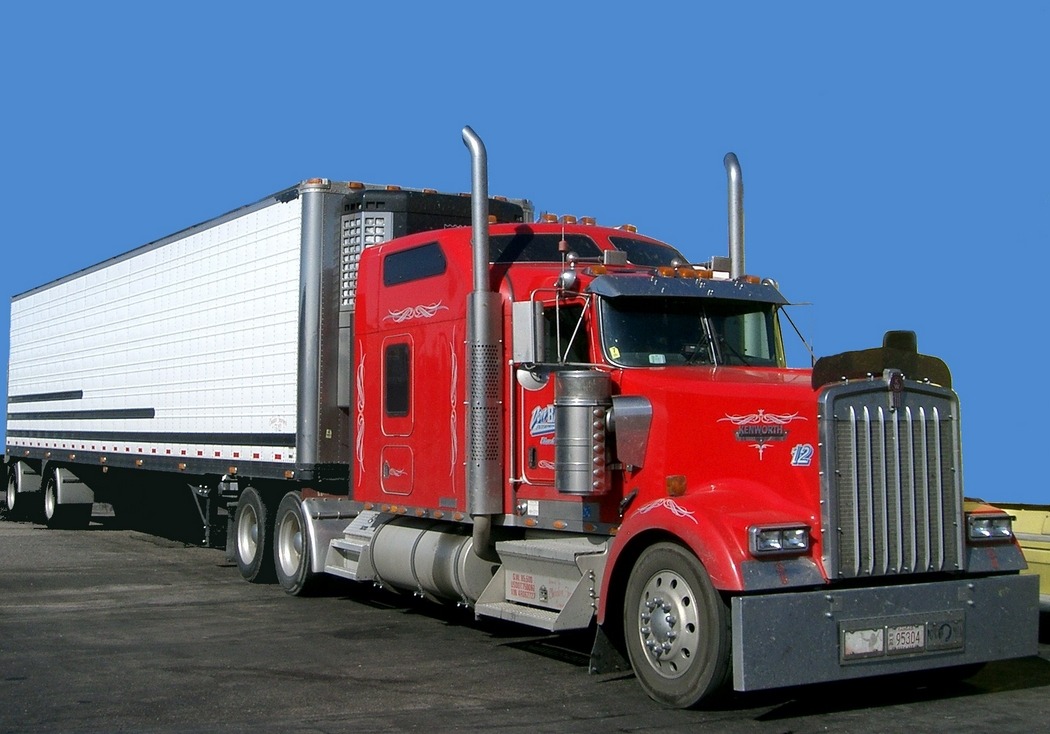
{"points": [[273, 544]]}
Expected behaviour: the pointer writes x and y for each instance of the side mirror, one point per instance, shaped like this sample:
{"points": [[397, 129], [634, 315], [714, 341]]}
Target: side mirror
{"points": [[528, 332]]}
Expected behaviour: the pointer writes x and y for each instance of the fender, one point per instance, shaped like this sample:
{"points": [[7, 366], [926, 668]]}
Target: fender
{"points": [[69, 488], [688, 520], [713, 524]]}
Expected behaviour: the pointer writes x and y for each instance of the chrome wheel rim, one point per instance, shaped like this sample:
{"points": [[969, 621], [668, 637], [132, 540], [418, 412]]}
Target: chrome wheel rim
{"points": [[290, 544], [248, 534], [669, 624]]}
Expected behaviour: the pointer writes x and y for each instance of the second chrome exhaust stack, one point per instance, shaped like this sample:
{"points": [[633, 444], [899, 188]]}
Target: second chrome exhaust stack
{"points": [[736, 215]]}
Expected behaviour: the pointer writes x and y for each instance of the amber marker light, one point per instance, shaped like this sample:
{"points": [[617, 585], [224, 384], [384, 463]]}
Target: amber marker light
{"points": [[675, 484], [548, 217], [568, 219], [589, 221]]}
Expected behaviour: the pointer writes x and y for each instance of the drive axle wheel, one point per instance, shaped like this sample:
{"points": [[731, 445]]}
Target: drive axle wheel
{"points": [[291, 548], [253, 538], [676, 627]]}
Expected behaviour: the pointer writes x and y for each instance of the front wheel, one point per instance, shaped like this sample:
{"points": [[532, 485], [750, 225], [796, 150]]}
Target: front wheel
{"points": [[291, 548], [676, 627]]}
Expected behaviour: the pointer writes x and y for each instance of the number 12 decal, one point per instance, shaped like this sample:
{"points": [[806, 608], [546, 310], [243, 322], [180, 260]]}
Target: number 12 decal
{"points": [[801, 454]]}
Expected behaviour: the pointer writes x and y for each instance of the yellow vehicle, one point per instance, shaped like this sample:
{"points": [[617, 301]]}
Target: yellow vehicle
{"points": [[1032, 529]]}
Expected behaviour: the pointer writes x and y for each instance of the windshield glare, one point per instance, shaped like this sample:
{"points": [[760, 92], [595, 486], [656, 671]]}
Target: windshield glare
{"points": [[646, 332]]}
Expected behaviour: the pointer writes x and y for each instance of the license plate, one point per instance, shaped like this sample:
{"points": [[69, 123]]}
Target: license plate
{"points": [[906, 638], [861, 640]]}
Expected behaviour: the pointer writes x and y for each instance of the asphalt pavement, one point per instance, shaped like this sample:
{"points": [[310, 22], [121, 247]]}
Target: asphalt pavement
{"points": [[111, 629]]}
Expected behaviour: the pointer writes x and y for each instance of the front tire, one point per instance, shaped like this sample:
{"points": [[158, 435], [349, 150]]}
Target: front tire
{"points": [[253, 538], [676, 627], [291, 548]]}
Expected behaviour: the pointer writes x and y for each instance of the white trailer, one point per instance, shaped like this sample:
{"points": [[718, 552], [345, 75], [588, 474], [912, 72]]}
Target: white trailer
{"points": [[220, 351]]}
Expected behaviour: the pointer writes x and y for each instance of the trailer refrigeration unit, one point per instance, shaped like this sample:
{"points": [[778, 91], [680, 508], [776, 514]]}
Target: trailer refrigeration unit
{"points": [[553, 422]]}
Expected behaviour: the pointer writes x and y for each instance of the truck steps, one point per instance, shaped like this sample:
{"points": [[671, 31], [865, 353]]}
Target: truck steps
{"points": [[546, 583], [348, 556]]}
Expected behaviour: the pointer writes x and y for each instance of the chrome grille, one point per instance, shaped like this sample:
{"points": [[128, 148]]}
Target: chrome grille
{"points": [[892, 491]]}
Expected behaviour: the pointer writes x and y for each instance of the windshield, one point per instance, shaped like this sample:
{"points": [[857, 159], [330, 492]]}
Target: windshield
{"points": [[645, 332]]}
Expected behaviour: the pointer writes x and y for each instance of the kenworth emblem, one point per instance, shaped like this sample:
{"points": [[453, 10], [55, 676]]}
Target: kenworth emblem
{"points": [[761, 428]]}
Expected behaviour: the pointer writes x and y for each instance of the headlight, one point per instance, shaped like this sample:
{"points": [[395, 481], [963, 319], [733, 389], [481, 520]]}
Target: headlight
{"points": [[989, 527], [778, 539]]}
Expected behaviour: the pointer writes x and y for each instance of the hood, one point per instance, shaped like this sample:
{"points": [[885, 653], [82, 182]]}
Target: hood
{"points": [[745, 438]]}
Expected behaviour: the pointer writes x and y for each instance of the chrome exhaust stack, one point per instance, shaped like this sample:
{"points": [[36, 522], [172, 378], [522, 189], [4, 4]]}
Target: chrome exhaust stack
{"points": [[736, 215], [484, 425]]}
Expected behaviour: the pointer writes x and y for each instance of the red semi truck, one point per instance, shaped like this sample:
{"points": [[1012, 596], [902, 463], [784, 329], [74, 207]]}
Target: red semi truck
{"points": [[554, 422]]}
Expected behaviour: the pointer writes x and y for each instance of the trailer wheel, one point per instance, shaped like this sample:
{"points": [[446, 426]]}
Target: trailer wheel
{"points": [[11, 495], [62, 517], [20, 505], [676, 627], [291, 548], [253, 537]]}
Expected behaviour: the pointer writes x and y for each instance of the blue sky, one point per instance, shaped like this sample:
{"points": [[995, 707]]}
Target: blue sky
{"points": [[895, 154]]}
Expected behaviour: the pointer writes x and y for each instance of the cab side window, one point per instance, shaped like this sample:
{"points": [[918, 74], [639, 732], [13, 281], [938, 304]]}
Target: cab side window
{"points": [[566, 334], [396, 383]]}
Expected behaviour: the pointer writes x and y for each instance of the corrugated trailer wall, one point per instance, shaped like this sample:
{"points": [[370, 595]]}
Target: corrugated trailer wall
{"points": [[181, 351]]}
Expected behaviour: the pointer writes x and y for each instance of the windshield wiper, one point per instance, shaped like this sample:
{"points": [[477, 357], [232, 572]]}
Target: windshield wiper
{"points": [[725, 345]]}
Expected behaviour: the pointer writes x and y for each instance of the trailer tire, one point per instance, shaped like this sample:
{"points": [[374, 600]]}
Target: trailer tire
{"points": [[20, 505], [62, 517], [11, 493], [253, 537], [676, 627], [292, 556]]}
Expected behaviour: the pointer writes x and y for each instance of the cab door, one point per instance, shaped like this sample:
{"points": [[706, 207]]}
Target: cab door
{"points": [[565, 333]]}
